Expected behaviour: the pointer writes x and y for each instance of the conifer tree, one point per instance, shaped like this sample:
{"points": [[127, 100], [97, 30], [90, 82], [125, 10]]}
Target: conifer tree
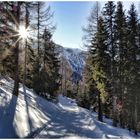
{"points": [[50, 65], [109, 16], [139, 33], [100, 65], [43, 18], [120, 36], [90, 88], [90, 31], [133, 67]]}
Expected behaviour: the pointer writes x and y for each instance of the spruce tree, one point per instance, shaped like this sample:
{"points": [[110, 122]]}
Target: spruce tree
{"points": [[133, 67], [109, 17], [100, 65], [50, 65], [139, 34], [89, 88], [120, 36], [90, 30]]}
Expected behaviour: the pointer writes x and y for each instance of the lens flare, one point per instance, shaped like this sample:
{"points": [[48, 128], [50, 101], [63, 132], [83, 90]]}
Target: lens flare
{"points": [[23, 32]]}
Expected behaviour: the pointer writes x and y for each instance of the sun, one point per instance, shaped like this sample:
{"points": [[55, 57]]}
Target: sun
{"points": [[23, 32]]}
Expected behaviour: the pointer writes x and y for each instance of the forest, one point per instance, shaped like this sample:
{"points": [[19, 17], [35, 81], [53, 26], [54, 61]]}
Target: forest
{"points": [[110, 83], [112, 71], [27, 50]]}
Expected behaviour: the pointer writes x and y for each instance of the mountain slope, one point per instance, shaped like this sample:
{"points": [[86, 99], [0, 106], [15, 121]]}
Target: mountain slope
{"points": [[74, 57], [32, 116]]}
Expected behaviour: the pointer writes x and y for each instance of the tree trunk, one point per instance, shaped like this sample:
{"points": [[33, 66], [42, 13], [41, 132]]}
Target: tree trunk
{"points": [[135, 117], [114, 112], [16, 76], [62, 92], [65, 81], [100, 113], [38, 27]]}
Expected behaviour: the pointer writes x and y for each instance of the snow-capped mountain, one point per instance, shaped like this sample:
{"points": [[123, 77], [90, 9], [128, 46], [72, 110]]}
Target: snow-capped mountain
{"points": [[75, 59]]}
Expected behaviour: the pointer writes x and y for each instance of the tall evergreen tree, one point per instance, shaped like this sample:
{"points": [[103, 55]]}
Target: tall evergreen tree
{"points": [[133, 67], [50, 65], [100, 65], [89, 88], [109, 17], [90, 31], [43, 18], [120, 56]]}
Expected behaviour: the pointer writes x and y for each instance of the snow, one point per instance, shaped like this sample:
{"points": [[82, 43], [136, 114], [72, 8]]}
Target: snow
{"points": [[67, 103], [74, 57], [32, 116], [19, 116]]}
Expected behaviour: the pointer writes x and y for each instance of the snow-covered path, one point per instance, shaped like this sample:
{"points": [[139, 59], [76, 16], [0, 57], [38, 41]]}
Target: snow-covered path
{"points": [[32, 116], [67, 123], [73, 121]]}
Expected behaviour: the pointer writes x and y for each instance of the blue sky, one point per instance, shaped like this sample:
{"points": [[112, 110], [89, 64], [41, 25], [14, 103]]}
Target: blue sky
{"points": [[70, 17]]}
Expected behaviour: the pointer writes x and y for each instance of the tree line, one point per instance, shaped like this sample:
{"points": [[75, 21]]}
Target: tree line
{"points": [[32, 60], [112, 71]]}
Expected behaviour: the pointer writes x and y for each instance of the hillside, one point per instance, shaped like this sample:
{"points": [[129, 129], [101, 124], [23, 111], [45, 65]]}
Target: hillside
{"points": [[72, 62], [75, 57], [32, 116]]}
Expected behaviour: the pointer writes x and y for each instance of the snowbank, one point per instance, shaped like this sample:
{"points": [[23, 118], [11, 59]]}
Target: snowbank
{"points": [[32, 116], [19, 116]]}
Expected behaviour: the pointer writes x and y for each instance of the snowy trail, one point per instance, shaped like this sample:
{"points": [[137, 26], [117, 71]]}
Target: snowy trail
{"points": [[73, 121], [70, 123], [30, 116]]}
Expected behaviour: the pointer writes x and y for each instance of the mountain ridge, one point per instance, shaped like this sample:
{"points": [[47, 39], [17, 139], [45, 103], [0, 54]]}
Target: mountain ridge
{"points": [[75, 58]]}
